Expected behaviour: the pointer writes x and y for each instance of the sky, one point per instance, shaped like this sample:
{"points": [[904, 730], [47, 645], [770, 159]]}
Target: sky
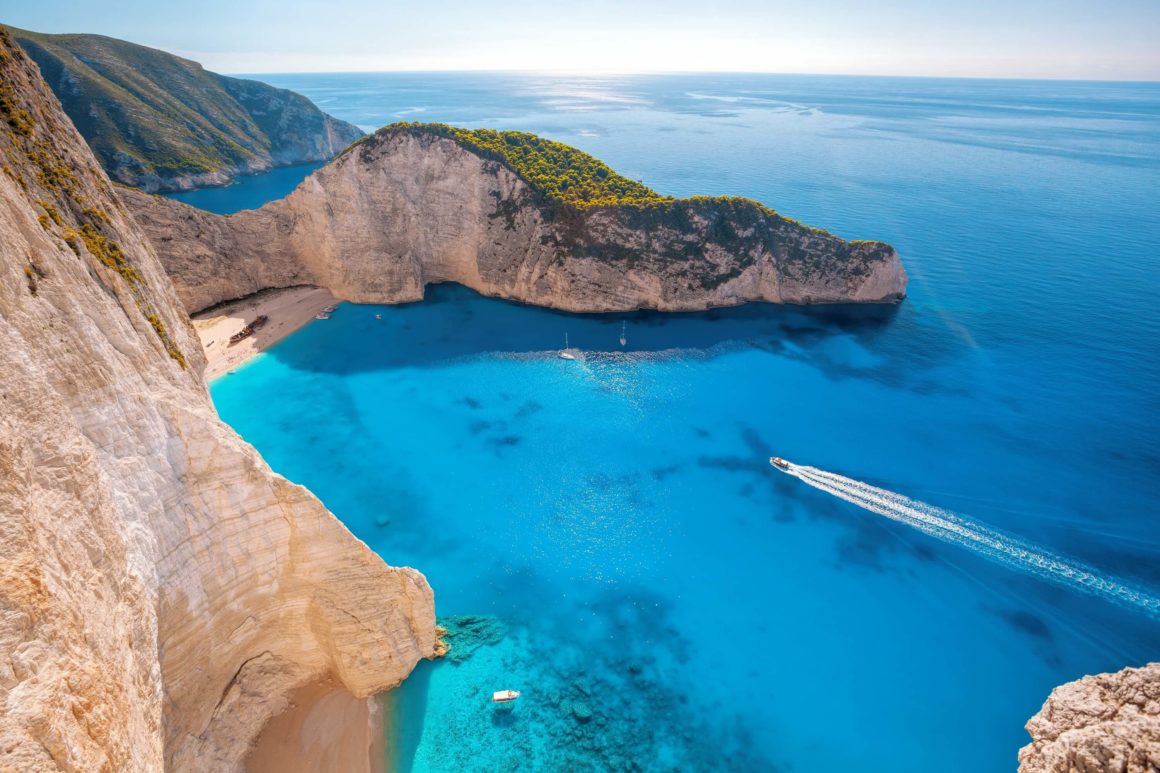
{"points": [[1080, 39]]}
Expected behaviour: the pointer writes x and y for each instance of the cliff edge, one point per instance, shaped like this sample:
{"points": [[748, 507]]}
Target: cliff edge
{"points": [[510, 215], [160, 122], [162, 592], [1108, 723]]}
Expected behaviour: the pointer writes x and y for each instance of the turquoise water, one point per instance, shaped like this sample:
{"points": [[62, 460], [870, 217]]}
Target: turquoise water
{"points": [[663, 598], [248, 191]]}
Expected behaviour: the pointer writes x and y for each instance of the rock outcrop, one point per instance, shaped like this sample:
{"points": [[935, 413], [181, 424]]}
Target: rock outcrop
{"points": [[162, 123], [1109, 723], [162, 592], [410, 206]]}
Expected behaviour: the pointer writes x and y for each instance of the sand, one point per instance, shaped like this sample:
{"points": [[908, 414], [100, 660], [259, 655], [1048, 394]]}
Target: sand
{"points": [[324, 729], [288, 310]]}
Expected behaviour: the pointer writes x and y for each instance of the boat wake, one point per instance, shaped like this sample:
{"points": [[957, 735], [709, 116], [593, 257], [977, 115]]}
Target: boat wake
{"points": [[990, 543]]}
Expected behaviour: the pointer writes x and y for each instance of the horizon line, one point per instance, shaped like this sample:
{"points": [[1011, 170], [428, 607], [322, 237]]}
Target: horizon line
{"points": [[627, 73]]}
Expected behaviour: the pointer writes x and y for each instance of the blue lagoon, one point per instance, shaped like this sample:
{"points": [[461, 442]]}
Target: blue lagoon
{"points": [[607, 536]]}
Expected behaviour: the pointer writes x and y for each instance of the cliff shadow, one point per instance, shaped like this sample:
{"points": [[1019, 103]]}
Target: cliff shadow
{"points": [[453, 323]]}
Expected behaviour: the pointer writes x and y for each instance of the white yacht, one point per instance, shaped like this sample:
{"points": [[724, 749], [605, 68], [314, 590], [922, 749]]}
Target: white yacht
{"points": [[567, 353]]}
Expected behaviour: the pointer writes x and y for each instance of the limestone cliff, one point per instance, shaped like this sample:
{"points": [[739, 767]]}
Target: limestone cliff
{"points": [[160, 122], [162, 592], [1109, 723], [410, 206]]}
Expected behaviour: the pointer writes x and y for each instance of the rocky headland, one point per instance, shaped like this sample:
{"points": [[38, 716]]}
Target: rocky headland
{"points": [[512, 216], [161, 123], [1108, 723], [163, 593]]}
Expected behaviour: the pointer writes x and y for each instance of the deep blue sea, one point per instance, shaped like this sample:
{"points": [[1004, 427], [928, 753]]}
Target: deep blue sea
{"points": [[607, 535]]}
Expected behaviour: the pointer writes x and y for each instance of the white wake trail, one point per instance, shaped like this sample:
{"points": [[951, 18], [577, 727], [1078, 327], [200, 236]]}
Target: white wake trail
{"points": [[993, 544]]}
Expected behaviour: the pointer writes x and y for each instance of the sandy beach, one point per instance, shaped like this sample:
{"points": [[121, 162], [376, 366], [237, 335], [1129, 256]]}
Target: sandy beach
{"points": [[288, 310], [324, 728]]}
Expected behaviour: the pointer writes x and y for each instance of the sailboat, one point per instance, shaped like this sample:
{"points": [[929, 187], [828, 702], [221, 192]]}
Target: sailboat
{"points": [[566, 353], [623, 337]]}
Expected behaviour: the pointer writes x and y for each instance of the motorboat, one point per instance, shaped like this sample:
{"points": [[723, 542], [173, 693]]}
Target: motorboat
{"points": [[779, 463], [623, 335], [322, 315], [504, 696]]}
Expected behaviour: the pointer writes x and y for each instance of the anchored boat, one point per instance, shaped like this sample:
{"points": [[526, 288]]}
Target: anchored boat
{"points": [[567, 353], [504, 696]]}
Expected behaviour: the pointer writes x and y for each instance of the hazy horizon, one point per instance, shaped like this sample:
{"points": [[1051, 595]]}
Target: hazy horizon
{"points": [[1008, 39]]}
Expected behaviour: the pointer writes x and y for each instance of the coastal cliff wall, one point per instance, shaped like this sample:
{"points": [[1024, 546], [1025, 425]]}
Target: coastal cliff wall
{"points": [[162, 592], [1108, 723], [160, 122], [409, 207]]}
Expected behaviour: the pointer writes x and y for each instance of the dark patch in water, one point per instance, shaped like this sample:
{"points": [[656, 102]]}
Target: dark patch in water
{"points": [[472, 403], [507, 440], [861, 550], [732, 464], [660, 473], [700, 432], [754, 442], [479, 426], [530, 408], [1025, 622], [925, 552]]}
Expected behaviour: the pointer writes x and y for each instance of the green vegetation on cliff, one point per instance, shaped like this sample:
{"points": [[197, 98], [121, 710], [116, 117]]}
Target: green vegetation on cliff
{"points": [[154, 119], [563, 174], [52, 177], [556, 170]]}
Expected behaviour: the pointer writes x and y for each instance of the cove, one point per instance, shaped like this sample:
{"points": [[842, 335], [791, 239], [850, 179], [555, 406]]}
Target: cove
{"points": [[657, 592], [661, 596]]}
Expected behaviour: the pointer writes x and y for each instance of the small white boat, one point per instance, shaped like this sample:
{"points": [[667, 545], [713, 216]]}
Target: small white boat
{"points": [[504, 696], [322, 315], [329, 309], [623, 337], [567, 353], [378, 316], [779, 463]]}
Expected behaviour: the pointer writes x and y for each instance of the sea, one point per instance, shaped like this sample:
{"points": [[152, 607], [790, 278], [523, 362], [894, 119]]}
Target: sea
{"points": [[973, 512]]}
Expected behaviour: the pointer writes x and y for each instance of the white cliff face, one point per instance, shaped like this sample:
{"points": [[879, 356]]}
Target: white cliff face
{"points": [[162, 592], [1109, 723], [404, 210]]}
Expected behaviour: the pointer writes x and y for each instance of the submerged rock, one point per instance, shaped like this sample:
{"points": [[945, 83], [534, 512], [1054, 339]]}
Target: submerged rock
{"points": [[581, 711], [464, 634]]}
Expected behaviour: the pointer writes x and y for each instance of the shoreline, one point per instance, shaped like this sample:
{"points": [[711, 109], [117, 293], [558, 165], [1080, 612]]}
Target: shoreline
{"points": [[288, 310], [323, 728]]}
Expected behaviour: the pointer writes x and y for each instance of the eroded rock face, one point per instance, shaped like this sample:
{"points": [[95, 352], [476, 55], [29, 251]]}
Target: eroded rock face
{"points": [[1109, 723], [403, 210], [162, 592]]}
